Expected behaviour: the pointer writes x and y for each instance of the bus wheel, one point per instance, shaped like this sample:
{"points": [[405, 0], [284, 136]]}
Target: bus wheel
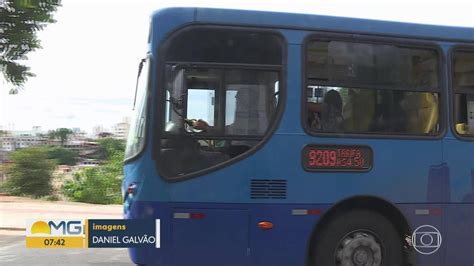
{"points": [[358, 237]]}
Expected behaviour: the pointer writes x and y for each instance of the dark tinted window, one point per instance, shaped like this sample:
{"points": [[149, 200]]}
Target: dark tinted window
{"points": [[225, 46], [371, 88], [463, 85], [364, 64]]}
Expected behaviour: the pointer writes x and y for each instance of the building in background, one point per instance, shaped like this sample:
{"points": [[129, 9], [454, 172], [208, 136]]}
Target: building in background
{"points": [[97, 130], [37, 130], [11, 143], [104, 135], [78, 134], [120, 130], [85, 149], [13, 140]]}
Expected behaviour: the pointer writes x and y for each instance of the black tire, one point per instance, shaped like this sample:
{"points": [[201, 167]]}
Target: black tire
{"points": [[328, 241]]}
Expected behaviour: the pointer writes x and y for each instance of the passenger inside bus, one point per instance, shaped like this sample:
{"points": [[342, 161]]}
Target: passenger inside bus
{"points": [[327, 116], [367, 111]]}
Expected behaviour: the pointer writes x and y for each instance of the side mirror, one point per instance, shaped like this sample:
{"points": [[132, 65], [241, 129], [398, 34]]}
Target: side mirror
{"points": [[178, 93]]}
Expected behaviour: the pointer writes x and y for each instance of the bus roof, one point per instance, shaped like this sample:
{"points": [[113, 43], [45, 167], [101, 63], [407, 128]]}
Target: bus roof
{"points": [[313, 23]]}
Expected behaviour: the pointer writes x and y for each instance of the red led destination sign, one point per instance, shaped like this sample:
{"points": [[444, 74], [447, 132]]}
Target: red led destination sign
{"points": [[337, 158]]}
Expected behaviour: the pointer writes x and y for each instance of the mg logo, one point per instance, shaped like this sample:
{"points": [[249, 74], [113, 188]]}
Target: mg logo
{"points": [[66, 227], [55, 227]]}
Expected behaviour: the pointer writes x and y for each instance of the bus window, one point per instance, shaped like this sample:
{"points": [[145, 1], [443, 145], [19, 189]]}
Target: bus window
{"points": [[200, 103], [371, 89], [226, 113], [230, 107], [136, 134], [463, 86], [217, 112]]}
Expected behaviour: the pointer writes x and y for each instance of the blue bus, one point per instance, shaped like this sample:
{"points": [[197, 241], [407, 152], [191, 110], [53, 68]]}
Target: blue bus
{"points": [[264, 138]]}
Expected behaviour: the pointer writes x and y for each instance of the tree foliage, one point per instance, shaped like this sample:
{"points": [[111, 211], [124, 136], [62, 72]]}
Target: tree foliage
{"points": [[19, 23], [62, 156], [100, 184], [30, 172], [108, 147], [61, 133]]}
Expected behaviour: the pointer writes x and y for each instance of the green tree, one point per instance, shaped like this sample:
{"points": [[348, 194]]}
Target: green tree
{"points": [[2, 170], [100, 185], [19, 23], [108, 147], [52, 134], [30, 172], [62, 156], [61, 133]]}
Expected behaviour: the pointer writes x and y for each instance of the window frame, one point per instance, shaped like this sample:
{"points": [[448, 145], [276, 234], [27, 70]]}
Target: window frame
{"points": [[221, 66], [159, 116], [376, 39], [148, 97], [463, 47]]}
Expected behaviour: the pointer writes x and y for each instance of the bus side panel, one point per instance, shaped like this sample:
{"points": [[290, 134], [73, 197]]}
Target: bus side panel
{"points": [[228, 234], [152, 210], [459, 215], [418, 217], [210, 237], [287, 243], [458, 236]]}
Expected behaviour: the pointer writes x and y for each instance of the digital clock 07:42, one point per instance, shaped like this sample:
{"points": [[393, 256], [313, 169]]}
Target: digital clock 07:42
{"points": [[54, 241], [337, 158]]}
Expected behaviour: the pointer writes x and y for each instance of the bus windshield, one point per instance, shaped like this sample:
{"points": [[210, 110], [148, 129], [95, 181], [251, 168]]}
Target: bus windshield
{"points": [[219, 104], [136, 134]]}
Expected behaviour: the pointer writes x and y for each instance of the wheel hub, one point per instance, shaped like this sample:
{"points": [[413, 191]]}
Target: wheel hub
{"points": [[359, 249], [361, 257]]}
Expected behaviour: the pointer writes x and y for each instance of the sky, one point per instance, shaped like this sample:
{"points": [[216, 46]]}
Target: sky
{"points": [[86, 71]]}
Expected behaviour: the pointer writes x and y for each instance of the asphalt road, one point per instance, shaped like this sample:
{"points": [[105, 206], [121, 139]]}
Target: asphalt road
{"points": [[14, 252]]}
